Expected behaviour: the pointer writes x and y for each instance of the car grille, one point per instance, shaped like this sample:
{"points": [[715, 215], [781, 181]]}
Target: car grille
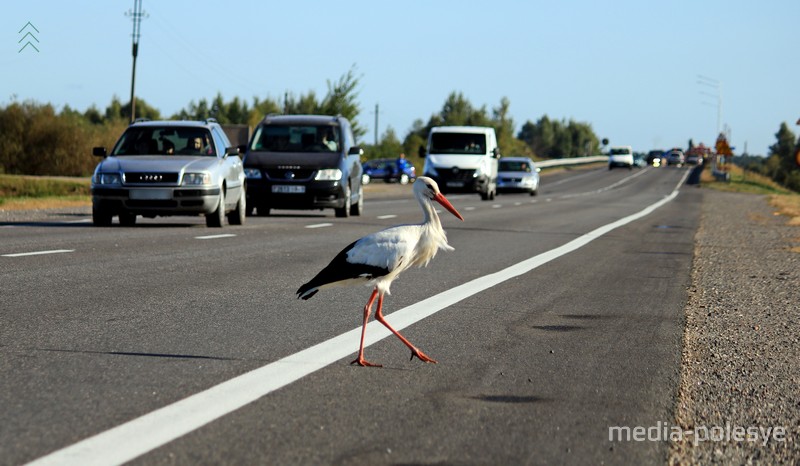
{"points": [[285, 174], [150, 178], [455, 173], [512, 180]]}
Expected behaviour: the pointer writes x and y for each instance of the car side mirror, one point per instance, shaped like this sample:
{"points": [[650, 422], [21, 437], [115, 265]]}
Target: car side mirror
{"points": [[243, 148], [232, 151], [496, 152], [356, 150], [99, 152]]}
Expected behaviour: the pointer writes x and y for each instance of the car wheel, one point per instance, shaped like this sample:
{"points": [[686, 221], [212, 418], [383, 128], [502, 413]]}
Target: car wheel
{"points": [[237, 216], [101, 218], [344, 211], [358, 208], [403, 179], [217, 218], [534, 192], [127, 219]]}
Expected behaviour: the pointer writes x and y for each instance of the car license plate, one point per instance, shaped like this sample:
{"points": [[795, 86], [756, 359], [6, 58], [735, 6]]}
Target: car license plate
{"points": [[292, 189], [150, 194], [455, 184]]}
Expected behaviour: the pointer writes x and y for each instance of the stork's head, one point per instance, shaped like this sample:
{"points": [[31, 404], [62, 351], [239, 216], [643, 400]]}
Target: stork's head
{"points": [[427, 189]]}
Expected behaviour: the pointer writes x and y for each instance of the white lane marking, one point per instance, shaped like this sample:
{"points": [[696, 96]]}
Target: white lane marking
{"points": [[224, 235], [572, 178], [384, 217], [611, 186], [469, 208], [150, 431], [320, 225], [37, 253], [497, 206]]}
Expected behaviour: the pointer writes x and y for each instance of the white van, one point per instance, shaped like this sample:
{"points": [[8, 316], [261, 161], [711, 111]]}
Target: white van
{"points": [[621, 156], [463, 159]]}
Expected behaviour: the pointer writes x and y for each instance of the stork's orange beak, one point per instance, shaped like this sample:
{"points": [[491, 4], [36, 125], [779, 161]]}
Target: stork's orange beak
{"points": [[447, 205]]}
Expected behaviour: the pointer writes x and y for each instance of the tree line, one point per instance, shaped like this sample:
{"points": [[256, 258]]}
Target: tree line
{"points": [[39, 140], [782, 163]]}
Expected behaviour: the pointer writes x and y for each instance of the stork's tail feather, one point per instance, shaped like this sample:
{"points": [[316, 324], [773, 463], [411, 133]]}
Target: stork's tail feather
{"points": [[306, 291]]}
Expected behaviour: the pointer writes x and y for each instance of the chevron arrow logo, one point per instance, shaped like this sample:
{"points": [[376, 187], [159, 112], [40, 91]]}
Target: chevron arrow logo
{"points": [[29, 35]]}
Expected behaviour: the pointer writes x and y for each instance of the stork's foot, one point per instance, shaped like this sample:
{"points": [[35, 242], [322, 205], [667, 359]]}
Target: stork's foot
{"points": [[422, 356], [363, 362]]}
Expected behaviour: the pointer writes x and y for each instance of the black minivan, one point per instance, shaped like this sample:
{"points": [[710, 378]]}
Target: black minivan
{"points": [[304, 162]]}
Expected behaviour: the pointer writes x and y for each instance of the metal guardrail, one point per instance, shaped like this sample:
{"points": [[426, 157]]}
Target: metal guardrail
{"points": [[571, 161]]}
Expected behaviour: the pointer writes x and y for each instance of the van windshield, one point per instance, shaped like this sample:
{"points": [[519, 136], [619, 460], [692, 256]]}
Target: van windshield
{"points": [[458, 143], [306, 138]]}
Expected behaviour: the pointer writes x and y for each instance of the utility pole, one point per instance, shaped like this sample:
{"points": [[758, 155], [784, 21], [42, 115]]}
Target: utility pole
{"points": [[136, 14], [376, 124], [717, 85]]}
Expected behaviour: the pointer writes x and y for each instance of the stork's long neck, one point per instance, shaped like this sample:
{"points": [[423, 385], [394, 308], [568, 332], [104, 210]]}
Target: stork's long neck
{"points": [[432, 237], [431, 217]]}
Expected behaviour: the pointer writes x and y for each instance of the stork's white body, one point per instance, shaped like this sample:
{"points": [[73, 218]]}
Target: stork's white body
{"points": [[378, 258]]}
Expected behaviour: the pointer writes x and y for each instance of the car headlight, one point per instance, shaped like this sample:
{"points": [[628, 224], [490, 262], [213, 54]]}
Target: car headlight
{"points": [[252, 173], [329, 174], [196, 179], [106, 178], [481, 171]]}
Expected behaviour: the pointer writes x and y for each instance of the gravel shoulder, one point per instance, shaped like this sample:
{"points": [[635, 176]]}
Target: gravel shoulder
{"points": [[741, 352]]}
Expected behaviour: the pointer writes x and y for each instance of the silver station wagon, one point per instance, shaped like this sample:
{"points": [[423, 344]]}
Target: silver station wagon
{"points": [[163, 168]]}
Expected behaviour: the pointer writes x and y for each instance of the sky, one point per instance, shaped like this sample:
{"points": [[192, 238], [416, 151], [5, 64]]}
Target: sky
{"points": [[641, 73]]}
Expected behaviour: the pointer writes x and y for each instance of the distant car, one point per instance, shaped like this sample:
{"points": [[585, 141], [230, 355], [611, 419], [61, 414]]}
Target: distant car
{"points": [[389, 170], [620, 157], [656, 158], [517, 174], [675, 157], [304, 162], [638, 161], [694, 159], [163, 168]]}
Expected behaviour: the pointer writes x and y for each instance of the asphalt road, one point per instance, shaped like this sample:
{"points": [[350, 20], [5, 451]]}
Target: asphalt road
{"points": [[533, 369]]}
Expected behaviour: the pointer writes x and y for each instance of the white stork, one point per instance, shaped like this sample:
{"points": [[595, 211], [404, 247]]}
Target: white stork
{"points": [[377, 259]]}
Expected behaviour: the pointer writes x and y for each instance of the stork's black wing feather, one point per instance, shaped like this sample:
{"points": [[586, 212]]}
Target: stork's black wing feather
{"points": [[338, 270]]}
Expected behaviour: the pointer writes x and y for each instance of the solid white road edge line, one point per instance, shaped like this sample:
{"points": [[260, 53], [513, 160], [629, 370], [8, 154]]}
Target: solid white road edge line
{"points": [[143, 434]]}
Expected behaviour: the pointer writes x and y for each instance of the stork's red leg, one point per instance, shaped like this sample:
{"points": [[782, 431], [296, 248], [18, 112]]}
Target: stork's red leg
{"points": [[414, 351], [367, 309]]}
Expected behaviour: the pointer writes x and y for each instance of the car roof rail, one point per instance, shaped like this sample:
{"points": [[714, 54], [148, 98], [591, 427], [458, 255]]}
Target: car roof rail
{"points": [[211, 120], [140, 120]]}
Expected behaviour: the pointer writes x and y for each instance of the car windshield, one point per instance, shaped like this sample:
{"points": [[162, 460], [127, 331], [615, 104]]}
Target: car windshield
{"points": [[621, 151], [296, 138], [514, 166], [164, 140], [458, 143]]}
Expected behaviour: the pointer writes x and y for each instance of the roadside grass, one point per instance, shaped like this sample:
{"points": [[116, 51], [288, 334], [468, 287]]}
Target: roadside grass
{"points": [[785, 201], [36, 192]]}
